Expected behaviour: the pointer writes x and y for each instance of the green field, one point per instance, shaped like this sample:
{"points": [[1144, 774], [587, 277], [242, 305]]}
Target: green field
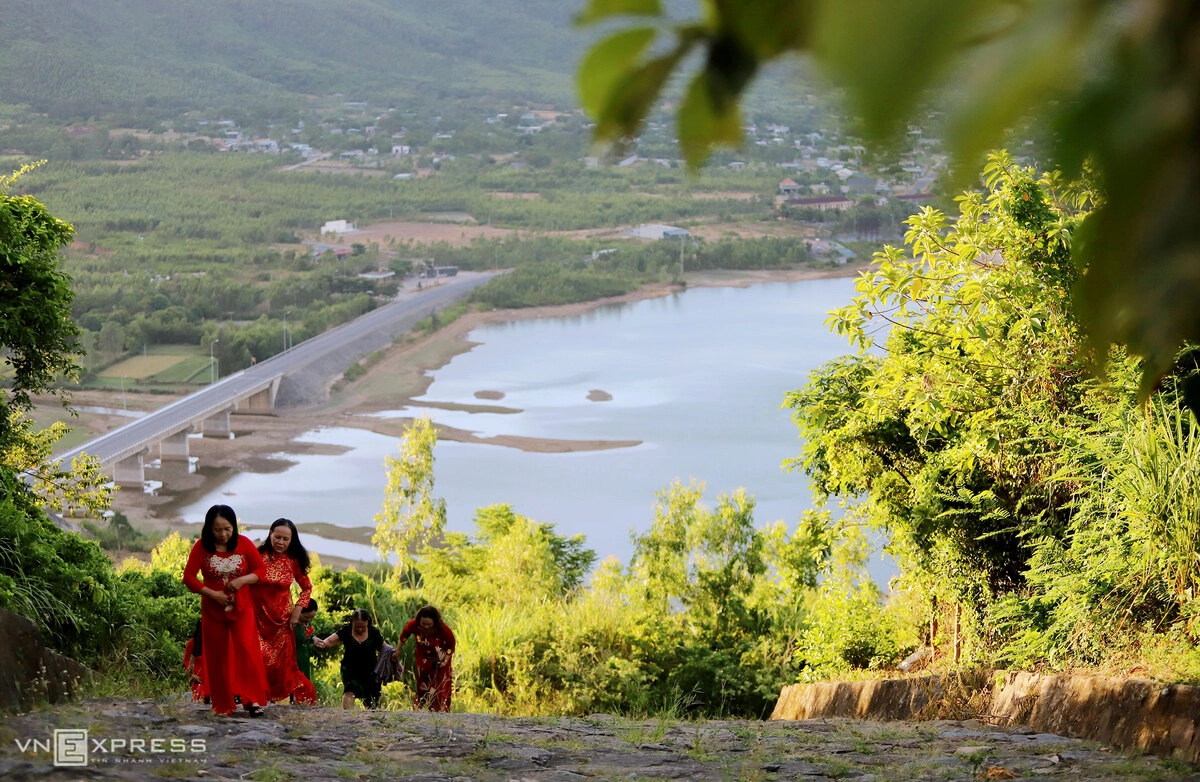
{"points": [[141, 367], [158, 365], [192, 369]]}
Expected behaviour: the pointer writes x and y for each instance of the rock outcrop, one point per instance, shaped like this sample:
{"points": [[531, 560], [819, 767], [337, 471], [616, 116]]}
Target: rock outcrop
{"points": [[29, 672]]}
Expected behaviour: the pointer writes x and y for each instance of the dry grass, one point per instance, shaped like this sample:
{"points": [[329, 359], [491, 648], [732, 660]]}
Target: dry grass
{"points": [[140, 367]]}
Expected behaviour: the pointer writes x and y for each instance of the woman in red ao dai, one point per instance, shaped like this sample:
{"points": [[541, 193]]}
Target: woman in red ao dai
{"points": [[285, 561], [226, 562]]}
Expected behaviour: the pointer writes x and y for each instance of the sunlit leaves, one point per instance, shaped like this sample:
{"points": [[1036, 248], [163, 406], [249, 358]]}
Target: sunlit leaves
{"points": [[411, 517], [81, 486], [944, 430], [603, 9]]}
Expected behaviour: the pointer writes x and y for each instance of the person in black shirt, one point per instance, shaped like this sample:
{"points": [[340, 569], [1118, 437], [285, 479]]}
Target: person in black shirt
{"points": [[362, 643]]}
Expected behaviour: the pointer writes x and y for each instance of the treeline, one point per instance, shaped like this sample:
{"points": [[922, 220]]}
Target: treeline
{"points": [[219, 201], [615, 271]]}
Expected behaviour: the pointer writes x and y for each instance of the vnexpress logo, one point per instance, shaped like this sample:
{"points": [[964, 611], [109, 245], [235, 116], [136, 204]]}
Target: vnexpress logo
{"points": [[74, 747], [71, 747]]}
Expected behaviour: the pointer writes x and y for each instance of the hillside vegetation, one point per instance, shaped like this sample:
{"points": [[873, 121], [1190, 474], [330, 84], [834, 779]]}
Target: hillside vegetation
{"points": [[77, 57]]}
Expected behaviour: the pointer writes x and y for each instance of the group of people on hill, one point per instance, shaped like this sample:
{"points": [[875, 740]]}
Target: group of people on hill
{"points": [[252, 644]]}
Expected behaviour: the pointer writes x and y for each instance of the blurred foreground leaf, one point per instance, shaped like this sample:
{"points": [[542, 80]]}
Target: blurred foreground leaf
{"points": [[1118, 82]]}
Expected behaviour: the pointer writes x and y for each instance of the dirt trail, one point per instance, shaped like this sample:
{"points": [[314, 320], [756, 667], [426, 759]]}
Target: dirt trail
{"points": [[321, 743]]}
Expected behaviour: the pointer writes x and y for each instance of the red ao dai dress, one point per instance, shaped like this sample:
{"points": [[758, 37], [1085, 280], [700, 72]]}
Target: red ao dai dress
{"points": [[232, 659], [433, 659], [277, 640]]}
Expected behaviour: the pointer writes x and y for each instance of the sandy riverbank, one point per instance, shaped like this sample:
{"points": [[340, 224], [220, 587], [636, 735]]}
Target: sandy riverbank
{"points": [[264, 443]]}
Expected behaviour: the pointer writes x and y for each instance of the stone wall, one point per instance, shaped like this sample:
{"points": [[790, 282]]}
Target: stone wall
{"points": [[29, 672], [1128, 713], [1159, 718]]}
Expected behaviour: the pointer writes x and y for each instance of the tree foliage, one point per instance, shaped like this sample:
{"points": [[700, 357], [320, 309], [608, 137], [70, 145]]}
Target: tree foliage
{"points": [[411, 517], [1033, 504], [36, 330], [38, 341], [1117, 83]]}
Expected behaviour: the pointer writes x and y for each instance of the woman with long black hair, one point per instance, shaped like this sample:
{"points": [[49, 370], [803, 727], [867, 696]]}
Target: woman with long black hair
{"points": [[227, 562], [363, 642], [433, 657], [285, 562]]}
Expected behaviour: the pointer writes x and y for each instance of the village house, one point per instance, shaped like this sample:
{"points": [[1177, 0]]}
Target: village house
{"points": [[821, 202], [789, 188], [830, 251]]}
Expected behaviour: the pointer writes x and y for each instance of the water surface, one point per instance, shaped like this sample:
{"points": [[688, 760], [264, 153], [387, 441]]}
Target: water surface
{"points": [[698, 378]]}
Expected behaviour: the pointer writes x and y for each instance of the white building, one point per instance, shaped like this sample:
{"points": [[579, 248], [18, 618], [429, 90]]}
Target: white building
{"points": [[338, 227], [656, 231]]}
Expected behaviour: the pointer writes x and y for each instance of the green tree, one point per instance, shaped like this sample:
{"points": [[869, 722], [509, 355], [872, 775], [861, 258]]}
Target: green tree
{"points": [[40, 343], [513, 560], [61, 581], [948, 429], [707, 559], [112, 338], [412, 517], [36, 330], [1115, 83]]}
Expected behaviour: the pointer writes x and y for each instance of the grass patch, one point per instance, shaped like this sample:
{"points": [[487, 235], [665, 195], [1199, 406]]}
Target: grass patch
{"points": [[191, 369], [174, 770], [269, 774], [141, 367], [124, 681]]}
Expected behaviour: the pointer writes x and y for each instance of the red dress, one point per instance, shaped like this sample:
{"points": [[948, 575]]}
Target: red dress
{"points": [[233, 663], [435, 682], [194, 664], [273, 609]]}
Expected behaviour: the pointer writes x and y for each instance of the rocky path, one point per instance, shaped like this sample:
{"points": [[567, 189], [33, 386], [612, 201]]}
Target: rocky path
{"points": [[139, 739]]}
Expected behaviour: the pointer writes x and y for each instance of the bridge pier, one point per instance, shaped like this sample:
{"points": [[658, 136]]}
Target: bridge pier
{"points": [[131, 470], [216, 425], [261, 401], [174, 447]]}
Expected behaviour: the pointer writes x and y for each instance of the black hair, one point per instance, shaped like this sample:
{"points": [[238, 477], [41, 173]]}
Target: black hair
{"points": [[197, 640], [295, 549], [432, 613], [312, 606], [361, 614], [206, 534]]}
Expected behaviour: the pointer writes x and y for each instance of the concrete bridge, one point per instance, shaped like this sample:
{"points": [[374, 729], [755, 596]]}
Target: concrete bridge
{"points": [[123, 452]]}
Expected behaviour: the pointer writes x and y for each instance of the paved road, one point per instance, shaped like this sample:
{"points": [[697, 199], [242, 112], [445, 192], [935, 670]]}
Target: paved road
{"points": [[347, 340]]}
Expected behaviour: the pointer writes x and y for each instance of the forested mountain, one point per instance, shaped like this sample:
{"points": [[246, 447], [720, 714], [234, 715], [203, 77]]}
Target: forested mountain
{"points": [[77, 58]]}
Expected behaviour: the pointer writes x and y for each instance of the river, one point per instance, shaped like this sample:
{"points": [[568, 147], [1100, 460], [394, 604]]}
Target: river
{"points": [[697, 377]]}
